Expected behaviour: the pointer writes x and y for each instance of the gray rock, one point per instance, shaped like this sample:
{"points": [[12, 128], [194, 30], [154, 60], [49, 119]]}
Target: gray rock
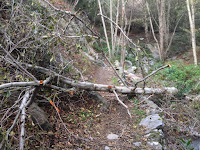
{"points": [[107, 148], [96, 96], [152, 108], [155, 145], [196, 144], [152, 122], [39, 117], [113, 136], [137, 144], [154, 50], [155, 136]]}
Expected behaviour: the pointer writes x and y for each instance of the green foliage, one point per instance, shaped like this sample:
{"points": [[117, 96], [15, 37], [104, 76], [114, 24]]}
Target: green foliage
{"points": [[137, 111], [80, 115], [184, 77], [187, 144], [114, 80]]}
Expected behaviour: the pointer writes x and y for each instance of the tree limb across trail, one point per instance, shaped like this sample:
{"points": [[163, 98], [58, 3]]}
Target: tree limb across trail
{"points": [[99, 87]]}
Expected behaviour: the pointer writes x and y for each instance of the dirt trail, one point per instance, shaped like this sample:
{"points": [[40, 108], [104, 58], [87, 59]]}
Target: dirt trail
{"points": [[103, 75], [115, 120], [85, 118]]}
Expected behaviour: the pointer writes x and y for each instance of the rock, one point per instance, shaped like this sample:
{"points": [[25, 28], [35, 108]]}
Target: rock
{"points": [[96, 96], [131, 69], [155, 145], [128, 63], [154, 50], [151, 108], [107, 148], [113, 136], [38, 116], [152, 122], [137, 144], [155, 135], [116, 63], [196, 144], [131, 56]]}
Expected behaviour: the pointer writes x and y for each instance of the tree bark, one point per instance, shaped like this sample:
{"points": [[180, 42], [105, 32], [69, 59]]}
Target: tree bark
{"points": [[111, 29], [162, 26], [123, 26], [105, 31], [116, 29], [190, 7]]}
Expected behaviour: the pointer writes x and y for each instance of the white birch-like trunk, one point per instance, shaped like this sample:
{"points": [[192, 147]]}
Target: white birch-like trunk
{"points": [[123, 48], [116, 29], [190, 8], [111, 28], [105, 31]]}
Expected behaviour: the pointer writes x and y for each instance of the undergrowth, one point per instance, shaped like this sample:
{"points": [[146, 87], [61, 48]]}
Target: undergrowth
{"points": [[186, 78]]}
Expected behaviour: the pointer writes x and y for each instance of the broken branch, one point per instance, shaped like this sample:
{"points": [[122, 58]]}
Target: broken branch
{"points": [[122, 104]]}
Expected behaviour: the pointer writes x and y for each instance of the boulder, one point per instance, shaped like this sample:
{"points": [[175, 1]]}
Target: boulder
{"points": [[38, 116], [152, 122], [112, 136]]}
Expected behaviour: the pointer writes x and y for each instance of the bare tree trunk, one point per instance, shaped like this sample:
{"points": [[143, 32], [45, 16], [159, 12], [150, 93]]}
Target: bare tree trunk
{"points": [[146, 26], [130, 21], [105, 31], [123, 48], [116, 29], [162, 26], [152, 29], [190, 7], [167, 23], [111, 28]]}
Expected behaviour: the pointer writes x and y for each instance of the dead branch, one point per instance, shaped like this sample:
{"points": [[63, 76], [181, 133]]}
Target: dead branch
{"points": [[163, 67], [72, 14], [23, 117], [121, 30], [19, 84], [122, 104], [101, 87], [18, 65]]}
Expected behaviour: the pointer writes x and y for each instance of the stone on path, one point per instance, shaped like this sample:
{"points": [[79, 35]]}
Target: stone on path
{"points": [[107, 148], [137, 144], [112, 136], [155, 145], [152, 122]]}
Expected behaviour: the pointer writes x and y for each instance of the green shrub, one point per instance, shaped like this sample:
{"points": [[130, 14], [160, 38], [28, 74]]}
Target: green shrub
{"points": [[183, 77]]}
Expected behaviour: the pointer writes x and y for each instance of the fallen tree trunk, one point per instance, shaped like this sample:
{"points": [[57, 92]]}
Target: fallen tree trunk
{"points": [[120, 89], [90, 86], [98, 87], [101, 87]]}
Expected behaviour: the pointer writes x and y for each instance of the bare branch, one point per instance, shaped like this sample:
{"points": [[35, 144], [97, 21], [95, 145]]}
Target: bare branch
{"points": [[18, 65], [19, 84], [102, 87], [23, 117], [122, 104], [117, 26], [163, 67]]}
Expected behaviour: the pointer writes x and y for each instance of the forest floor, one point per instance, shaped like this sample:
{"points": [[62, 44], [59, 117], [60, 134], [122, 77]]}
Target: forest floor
{"points": [[89, 124]]}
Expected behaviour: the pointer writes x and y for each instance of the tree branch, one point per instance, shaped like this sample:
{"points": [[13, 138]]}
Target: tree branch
{"points": [[122, 104]]}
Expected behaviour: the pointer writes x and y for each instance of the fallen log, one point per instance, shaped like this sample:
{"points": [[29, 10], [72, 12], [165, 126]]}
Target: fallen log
{"points": [[120, 89], [91, 86], [101, 87], [98, 87]]}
